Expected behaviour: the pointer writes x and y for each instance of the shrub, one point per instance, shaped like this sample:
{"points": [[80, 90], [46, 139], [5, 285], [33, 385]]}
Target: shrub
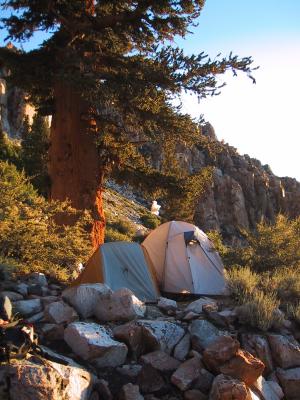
{"points": [[286, 283], [150, 221], [113, 235], [28, 233], [293, 311], [260, 310], [241, 282], [123, 226]]}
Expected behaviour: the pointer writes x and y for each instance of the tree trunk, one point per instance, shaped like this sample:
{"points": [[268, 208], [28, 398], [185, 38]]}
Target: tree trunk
{"points": [[74, 166]]}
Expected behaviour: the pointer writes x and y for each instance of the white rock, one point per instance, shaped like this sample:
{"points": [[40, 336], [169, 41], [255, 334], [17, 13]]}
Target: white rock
{"points": [[59, 312], [268, 390], [122, 305], [93, 343], [85, 298], [196, 306], [285, 350], [28, 307]]}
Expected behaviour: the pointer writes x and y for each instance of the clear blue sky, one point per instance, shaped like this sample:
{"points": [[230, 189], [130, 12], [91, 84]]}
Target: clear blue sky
{"points": [[260, 120]]}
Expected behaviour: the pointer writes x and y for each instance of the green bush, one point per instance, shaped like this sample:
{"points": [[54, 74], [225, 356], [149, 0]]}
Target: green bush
{"points": [[28, 233], [123, 226], [150, 221], [260, 310], [286, 283], [241, 282], [293, 312], [113, 235]]}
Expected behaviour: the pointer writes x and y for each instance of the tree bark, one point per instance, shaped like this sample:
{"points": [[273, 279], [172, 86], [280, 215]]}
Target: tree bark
{"points": [[74, 164]]}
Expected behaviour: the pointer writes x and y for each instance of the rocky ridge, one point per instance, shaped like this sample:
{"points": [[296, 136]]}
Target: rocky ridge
{"points": [[98, 344]]}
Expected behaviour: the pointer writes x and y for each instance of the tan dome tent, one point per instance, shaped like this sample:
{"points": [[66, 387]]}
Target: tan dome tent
{"points": [[121, 264], [184, 259]]}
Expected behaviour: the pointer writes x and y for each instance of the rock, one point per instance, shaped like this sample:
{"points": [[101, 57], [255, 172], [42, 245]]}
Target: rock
{"points": [[21, 288], [204, 381], [203, 333], [226, 388], [290, 382], [160, 361], [130, 392], [38, 278], [93, 343], [152, 312], [52, 332], [131, 371], [187, 373], [49, 299], [35, 318], [5, 308], [259, 347], [38, 290], [190, 315], [144, 336], [122, 305], [13, 296], [244, 367], [183, 347], [194, 394], [102, 388], [223, 319], [219, 352], [59, 312], [49, 380], [196, 306], [28, 307], [166, 305], [85, 298], [285, 350], [150, 380], [267, 390]]}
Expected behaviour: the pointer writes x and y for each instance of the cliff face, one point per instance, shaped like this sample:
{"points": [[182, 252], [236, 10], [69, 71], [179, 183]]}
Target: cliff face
{"points": [[243, 191], [13, 107]]}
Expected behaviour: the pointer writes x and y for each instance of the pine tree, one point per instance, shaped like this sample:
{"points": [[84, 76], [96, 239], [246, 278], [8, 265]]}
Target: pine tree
{"points": [[35, 144], [109, 74]]}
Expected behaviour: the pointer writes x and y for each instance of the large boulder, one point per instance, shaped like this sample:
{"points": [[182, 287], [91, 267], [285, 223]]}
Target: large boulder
{"points": [[28, 307], [219, 352], [203, 333], [244, 367], [122, 305], [290, 382], [86, 297], [258, 346], [93, 343], [59, 312], [46, 379], [285, 350], [226, 388], [144, 336]]}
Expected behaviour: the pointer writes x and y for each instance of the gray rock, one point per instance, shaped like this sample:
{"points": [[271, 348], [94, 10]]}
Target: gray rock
{"points": [[13, 296], [52, 332], [21, 288], [28, 307], [130, 392], [144, 336], [259, 347], [183, 347], [131, 371], [36, 317], [166, 305], [150, 380], [49, 299], [190, 315], [93, 343], [38, 278], [196, 306], [203, 333], [285, 350], [85, 298], [290, 382], [267, 390], [122, 305], [38, 290], [59, 312]]}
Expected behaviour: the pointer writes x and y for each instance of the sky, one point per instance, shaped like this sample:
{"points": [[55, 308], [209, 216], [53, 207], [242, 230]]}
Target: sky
{"points": [[260, 120]]}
